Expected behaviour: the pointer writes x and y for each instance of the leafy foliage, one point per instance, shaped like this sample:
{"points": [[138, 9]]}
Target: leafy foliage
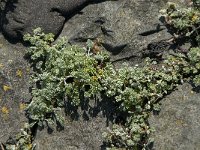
{"points": [[63, 71], [22, 140], [69, 73], [186, 25], [184, 21], [196, 3]]}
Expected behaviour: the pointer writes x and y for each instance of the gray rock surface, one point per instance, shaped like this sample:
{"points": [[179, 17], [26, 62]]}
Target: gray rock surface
{"points": [[123, 20], [118, 24], [177, 127], [126, 19], [77, 135], [11, 63], [22, 16]]}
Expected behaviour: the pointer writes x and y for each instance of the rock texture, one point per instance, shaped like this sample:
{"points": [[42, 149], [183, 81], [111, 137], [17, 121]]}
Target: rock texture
{"points": [[118, 24], [77, 135], [177, 127], [14, 88], [82, 130], [22, 16]]}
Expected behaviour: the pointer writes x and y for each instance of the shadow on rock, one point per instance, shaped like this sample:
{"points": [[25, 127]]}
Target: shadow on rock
{"points": [[103, 106]]}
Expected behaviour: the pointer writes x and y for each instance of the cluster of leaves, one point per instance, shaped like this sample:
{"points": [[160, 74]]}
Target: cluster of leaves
{"points": [[63, 72], [184, 21], [186, 24], [196, 3], [71, 73], [22, 140], [3, 3], [140, 91]]}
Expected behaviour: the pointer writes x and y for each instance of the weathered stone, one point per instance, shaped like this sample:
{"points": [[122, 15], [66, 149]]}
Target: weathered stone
{"points": [[14, 89], [123, 20], [22, 16], [82, 130], [177, 127], [77, 135], [118, 24]]}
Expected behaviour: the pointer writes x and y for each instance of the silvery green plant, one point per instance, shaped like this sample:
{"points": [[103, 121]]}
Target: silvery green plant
{"points": [[62, 71], [186, 24], [71, 73], [23, 140]]}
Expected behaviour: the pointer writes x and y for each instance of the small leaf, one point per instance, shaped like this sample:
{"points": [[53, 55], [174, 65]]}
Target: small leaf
{"points": [[6, 88], [22, 106], [19, 73], [1, 65], [4, 110]]}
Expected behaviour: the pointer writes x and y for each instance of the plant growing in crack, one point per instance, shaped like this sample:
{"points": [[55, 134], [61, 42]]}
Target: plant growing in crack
{"points": [[71, 73]]}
